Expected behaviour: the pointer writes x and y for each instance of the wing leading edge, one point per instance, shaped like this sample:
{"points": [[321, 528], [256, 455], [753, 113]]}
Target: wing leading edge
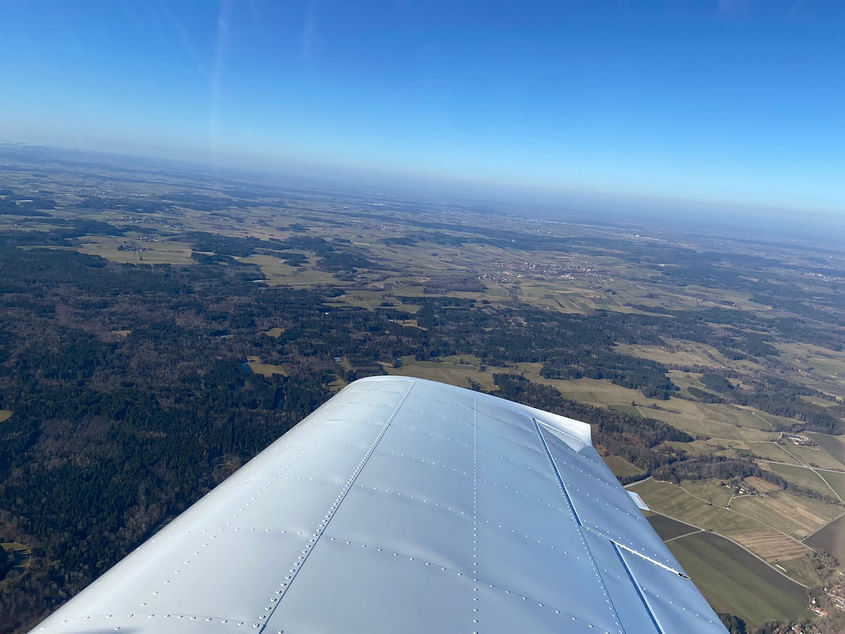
{"points": [[405, 505]]}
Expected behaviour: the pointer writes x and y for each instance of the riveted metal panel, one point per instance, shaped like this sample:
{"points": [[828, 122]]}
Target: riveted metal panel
{"points": [[602, 505], [349, 586], [405, 505], [674, 601]]}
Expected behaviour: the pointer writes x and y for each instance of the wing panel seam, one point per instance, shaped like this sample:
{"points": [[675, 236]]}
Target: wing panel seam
{"points": [[475, 510], [482, 581], [276, 601], [557, 474], [579, 526], [641, 555], [637, 587]]}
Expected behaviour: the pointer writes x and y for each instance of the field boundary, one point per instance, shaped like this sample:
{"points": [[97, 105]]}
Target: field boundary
{"points": [[704, 530]]}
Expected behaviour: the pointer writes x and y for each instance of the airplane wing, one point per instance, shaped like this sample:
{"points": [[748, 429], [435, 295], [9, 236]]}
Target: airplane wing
{"points": [[404, 505]]}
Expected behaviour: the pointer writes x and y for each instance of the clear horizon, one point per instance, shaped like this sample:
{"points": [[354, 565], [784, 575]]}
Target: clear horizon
{"points": [[719, 104]]}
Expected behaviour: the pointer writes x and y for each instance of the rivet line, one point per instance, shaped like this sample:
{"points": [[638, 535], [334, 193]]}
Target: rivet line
{"points": [[275, 601], [475, 511], [578, 526]]}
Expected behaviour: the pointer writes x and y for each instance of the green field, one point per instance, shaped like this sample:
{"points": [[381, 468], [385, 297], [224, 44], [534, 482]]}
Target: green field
{"points": [[822, 368], [710, 490], [782, 511], [736, 582], [801, 476], [777, 510], [140, 252], [813, 456], [836, 480], [274, 269], [800, 569], [670, 499], [834, 445], [831, 538], [22, 553], [452, 373], [265, 369], [622, 467], [677, 353], [521, 281], [668, 528], [771, 451]]}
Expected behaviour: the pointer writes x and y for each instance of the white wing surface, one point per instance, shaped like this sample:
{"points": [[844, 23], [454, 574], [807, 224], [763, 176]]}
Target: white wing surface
{"points": [[404, 505]]}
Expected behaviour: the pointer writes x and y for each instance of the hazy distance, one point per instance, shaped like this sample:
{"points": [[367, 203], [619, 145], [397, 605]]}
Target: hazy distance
{"points": [[721, 102]]}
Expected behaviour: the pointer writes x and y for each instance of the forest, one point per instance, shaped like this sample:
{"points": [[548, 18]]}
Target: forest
{"points": [[130, 399], [126, 389]]}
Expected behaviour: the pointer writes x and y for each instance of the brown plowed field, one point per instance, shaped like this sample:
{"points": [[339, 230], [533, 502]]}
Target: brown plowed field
{"points": [[772, 546]]}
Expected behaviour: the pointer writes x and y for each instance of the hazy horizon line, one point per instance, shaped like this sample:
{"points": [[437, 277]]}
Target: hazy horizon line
{"points": [[534, 199]]}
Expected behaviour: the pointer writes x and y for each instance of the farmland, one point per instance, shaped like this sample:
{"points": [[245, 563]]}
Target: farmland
{"points": [[736, 582], [197, 321], [668, 528], [831, 538]]}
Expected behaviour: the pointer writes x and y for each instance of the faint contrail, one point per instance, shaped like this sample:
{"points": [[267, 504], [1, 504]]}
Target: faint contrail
{"points": [[307, 39], [215, 83], [185, 41]]}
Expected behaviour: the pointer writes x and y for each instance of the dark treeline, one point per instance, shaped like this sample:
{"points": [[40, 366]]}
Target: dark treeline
{"points": [[704, 396], [17, 204], [632, 372], [7, 563], [716, 382], [776, 396], [113, 433], [733, 470], [571, 346], [65, 233], [338, 256], [736, 625], [632, 437]]}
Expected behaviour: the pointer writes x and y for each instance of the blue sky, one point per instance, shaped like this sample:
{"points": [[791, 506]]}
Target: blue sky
{"points": [[718, 101]]}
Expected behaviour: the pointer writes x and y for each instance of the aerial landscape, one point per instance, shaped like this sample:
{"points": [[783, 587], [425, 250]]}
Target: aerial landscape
{"points": [[159, 330], [215, 218]]}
